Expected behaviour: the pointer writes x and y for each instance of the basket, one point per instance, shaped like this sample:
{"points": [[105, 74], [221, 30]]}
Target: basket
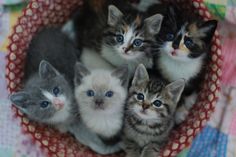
{"points": [[40, 13]]}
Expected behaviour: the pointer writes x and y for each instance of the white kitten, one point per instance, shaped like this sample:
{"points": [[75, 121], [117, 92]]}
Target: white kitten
{"points": [[101, 97]]}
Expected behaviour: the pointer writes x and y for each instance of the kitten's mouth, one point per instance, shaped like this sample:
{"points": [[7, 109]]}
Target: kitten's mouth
{"points": [[174, 53]]}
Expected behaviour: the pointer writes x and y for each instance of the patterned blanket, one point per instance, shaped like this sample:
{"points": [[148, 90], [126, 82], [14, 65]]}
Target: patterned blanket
{"points": [[217, 139]]}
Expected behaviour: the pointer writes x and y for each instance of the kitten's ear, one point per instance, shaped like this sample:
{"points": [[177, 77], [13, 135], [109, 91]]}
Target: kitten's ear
{"points": [[123, 74], [80, 72], [20, 99], [114, 15], [174, 90], [153, 23], [46, 70], [140, 76], [208, 29]]}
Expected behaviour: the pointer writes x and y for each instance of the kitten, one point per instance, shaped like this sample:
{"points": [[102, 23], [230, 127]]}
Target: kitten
{"points": [[128, 37], [47, 98], [119, 36], [101, 97], [52, 45], [183, 47], [149, 115]]}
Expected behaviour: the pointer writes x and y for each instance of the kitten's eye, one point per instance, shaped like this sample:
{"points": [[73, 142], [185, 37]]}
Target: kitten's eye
{"points": [[44, 104], [120, 38], [157, 103], [109, 94], [90, 93], [169, 36], [137, 43], [188, 42], [140, 96], [56, 91]]}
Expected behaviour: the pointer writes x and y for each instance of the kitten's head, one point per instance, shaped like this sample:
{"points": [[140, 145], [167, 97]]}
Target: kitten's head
{"points": [[151, 100], [185, 39], [100, 91], [46, 97], [131, 34]]}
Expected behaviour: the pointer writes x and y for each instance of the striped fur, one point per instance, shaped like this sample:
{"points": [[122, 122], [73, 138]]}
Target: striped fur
{"points": [[145, 123]]}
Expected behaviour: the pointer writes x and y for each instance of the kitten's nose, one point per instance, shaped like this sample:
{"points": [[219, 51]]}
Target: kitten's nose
{"points": [[99, 102], [58, 103], [126, 49], [145, 106]]}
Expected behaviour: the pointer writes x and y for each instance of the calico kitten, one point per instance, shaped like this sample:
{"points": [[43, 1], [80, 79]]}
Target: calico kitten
{"points": [[119, 36], [129, 36], [101, 97], [183, 47], [149, 114], [47, 98]]}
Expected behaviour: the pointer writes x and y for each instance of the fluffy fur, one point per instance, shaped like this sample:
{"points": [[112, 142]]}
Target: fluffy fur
{"points": [[101, 97], [182, 49], [103, 29], [55, 47], [150, 113], [129, 36], [47, 98]]}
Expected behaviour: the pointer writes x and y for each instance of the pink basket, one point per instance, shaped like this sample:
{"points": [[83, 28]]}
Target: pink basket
{"points": [[40, 13]]}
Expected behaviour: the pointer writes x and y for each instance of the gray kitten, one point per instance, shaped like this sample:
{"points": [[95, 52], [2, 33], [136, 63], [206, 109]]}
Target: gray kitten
{"points": [[150, 113], [47, 98], [52, 45], [101, 97]]}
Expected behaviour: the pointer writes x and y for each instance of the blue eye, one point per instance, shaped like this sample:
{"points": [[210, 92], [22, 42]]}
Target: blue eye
{"points": [[157, 103], [120, 38], [137, 42], [90, 93], [44, 104], [169, 36], [56, 91], [188, 42], [140, 96], [109, 94]]}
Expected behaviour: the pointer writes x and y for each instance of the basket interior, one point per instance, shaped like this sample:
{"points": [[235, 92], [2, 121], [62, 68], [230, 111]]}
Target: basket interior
{"points": [[40, 13]]}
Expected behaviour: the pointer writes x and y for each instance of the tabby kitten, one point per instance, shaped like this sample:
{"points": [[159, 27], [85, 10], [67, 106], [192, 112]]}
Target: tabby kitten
{"points": [[150, 113], [183, 47], [101, 97], [46, 98]]}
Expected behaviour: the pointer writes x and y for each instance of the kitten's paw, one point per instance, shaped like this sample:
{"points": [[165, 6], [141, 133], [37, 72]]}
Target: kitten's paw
{"points": [[181, 114], [151, 150]]}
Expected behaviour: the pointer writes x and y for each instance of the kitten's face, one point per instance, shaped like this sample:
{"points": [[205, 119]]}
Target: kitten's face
{"points": [[46, 98], [100, 91], [151, 101], [183, 40], [130, 36]]}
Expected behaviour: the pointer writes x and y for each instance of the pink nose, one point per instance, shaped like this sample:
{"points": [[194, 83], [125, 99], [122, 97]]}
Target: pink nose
{"points": [[58, 103]]}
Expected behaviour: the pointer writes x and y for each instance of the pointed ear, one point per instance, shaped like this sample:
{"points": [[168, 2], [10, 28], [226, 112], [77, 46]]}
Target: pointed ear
{"points": [[174, 90], [153, 23], [208, 29], [80, 72], [46, 70], [123, 74], [20, 99], [140, 76], [114, 15]]}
